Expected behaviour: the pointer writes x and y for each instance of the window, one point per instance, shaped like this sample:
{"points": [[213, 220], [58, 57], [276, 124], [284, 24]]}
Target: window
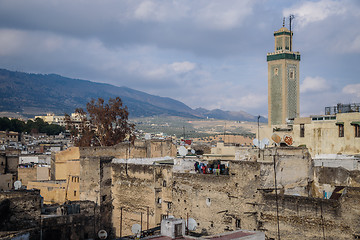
{"points": [[237, 223], [74, 193], [164, 183], [341, 130], [302, 130], [292, 75], [357, 130], [276, 71]]}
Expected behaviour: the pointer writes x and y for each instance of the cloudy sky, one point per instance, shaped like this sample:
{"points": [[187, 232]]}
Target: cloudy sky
{"points": [[205, 53]]}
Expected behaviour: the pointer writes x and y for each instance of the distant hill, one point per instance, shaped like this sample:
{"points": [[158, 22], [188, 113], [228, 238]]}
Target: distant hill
{"points": [[34, 94], [229, 115]]}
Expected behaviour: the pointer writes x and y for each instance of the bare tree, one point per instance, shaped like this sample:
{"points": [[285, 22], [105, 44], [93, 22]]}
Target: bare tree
{"points": [[107, 124]]}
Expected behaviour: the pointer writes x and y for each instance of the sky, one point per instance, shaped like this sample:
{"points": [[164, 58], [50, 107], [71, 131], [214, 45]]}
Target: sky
{"points": [[205, 53]]}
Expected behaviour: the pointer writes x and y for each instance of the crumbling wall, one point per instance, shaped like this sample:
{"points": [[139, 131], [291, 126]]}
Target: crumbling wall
{"points": [[140, 149], [141, 195], [19, 210], [218, 203], [305, 218]]}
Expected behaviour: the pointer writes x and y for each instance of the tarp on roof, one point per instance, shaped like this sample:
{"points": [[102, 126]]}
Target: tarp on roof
{"points": [[338, 191]]}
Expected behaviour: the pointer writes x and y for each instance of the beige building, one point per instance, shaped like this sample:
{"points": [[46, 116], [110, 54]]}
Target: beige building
{"points": [[53, 119], [337, 133], [33, 173], [65, 167], [65, 178]]}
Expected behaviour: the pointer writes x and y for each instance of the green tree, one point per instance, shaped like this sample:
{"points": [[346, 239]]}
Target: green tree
{"points": [[5, 124]]}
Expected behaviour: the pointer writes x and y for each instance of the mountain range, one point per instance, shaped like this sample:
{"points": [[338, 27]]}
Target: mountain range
{"points": [[32, 94]]}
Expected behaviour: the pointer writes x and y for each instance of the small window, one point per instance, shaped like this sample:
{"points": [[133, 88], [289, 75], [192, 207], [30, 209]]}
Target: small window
{"points": [[169, 205], [74, 193], [159, 200], [276, 71], [341, 130], [357, 130], [292, 75], [302, 130], [237, 223], [164, 183]]}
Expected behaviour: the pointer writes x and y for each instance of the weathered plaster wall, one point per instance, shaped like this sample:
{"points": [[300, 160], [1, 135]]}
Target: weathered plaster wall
{"points": [[6, 182], [311, 218], [218, 203], [140, 192]]}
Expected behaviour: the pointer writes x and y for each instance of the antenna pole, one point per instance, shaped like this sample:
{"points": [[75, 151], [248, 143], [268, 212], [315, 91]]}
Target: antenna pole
{"points": [[259, 133], [121, 217], [224, 132], [291, 17], [276, 197]]}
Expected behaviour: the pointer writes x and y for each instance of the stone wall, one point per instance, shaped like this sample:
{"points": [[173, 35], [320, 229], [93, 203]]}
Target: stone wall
{"points": [[218, 203], [140, 149], [327, 178], [6, 182], [311, 218], [19, 210], [2, 163], [141, 195]]}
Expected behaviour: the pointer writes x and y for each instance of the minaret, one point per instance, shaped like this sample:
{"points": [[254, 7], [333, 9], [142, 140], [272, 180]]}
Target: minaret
{"points": [[283, 79]]}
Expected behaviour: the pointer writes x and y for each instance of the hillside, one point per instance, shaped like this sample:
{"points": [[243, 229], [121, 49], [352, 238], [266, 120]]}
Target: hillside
{"points": [[33, 94]]}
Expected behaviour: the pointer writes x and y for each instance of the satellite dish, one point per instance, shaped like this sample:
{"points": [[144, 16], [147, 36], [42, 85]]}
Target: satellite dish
{"points": [[276, 138], [182, 151], [136, 229], [147, 136], [262, 145], [17, 185], [266, 141], [256, 142], [170, 216], [288, 140], [192, 224], [192, 151], [102, 234]]}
